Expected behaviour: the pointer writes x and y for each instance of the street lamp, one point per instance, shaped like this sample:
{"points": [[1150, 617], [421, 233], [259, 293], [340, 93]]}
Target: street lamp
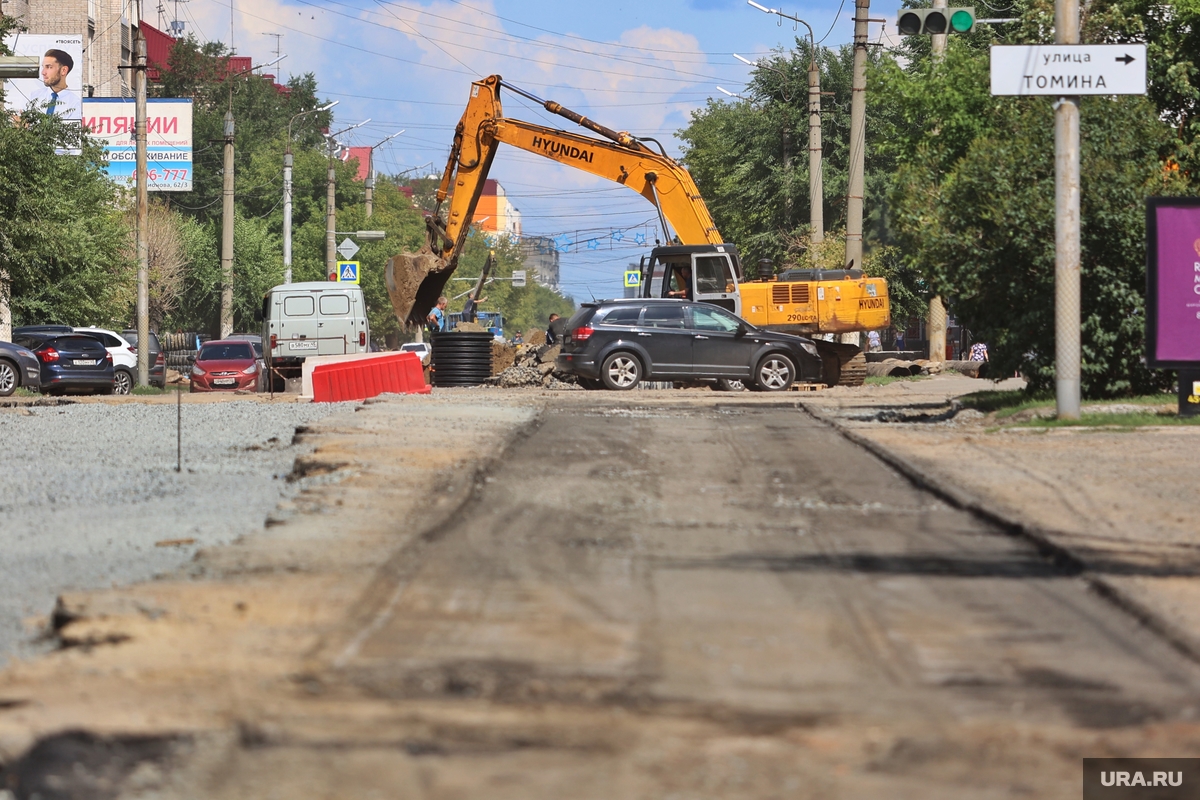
{"points": [[816, 181], [371, 171], [331, 202], [287, 192]]}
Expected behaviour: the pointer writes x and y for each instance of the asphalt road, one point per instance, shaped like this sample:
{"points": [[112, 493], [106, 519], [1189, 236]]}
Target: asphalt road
{"points": [[830, 629], [669, 595]]}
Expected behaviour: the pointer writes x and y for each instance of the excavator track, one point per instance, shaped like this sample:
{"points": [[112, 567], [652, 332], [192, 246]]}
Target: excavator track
{"points": [[854, 371]]}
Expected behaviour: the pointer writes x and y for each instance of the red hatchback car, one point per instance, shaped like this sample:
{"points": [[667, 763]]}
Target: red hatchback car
{"points": [[225, 366]]}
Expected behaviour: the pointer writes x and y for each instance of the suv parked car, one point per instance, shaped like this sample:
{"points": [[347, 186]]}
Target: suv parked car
{"points": [[420, 348], [123, 354], [617, 343], [158, 362], [70, 361]]}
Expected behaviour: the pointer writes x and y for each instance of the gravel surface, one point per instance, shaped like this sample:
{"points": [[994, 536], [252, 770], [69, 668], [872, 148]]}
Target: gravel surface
{"points": [[88, 491]]}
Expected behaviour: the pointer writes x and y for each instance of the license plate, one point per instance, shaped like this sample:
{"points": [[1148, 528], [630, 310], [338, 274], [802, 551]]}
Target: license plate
{"points": [[224, 381], [84, 362], [302, 345]]}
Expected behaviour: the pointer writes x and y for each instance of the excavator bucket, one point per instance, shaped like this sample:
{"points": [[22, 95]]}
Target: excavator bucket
{"points": [[414, 282]]}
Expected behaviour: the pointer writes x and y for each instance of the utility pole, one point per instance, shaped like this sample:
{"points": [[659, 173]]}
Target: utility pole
{"points": [[858, 138], [1068, 351], [227, 232], [143, 211], [330, 215], [936, 327]]}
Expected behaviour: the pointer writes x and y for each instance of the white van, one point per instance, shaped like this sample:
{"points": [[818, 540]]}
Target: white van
{"points": [[312, 319]]}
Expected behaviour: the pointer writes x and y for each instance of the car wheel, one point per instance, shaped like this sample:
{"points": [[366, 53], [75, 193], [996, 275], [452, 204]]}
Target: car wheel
{"points": [[729, 385], [775, 373], [621, 371], [10, 379], [122, 382]]}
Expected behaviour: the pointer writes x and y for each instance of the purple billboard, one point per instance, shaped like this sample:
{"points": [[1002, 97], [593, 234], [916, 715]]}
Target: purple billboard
{"points": [[1173, 282]]}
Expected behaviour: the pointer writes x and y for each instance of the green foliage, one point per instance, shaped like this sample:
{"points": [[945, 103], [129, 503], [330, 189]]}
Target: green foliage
{"points": [[62, 234]]}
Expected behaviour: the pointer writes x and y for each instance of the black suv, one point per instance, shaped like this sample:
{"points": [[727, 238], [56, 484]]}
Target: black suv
{"points": [[617, 343]]}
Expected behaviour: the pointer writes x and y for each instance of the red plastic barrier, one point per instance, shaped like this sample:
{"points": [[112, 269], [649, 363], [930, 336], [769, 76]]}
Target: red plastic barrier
{"points": [[357, 380]]}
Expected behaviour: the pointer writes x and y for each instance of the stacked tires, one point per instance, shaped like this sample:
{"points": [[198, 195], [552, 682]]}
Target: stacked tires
{"points": [[179, 349]]}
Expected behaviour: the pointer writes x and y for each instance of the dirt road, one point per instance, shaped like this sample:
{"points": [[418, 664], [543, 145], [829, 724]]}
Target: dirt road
{"points": [[659, 597]]}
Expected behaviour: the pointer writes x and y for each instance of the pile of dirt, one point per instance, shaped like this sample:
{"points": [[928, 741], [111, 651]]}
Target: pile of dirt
{"points": [[503, 356], [532, 365]]}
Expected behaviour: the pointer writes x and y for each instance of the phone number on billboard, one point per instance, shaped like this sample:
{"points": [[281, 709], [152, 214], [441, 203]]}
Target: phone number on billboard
{"points": [[167, 174]]}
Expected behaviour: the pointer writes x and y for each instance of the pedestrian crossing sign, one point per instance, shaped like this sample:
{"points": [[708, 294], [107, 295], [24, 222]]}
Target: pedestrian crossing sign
{"points": [[347, 272], [633, 277]]}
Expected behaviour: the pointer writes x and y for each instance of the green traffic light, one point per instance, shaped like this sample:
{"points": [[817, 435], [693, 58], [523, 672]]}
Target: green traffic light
{"points": [[962, 21]]}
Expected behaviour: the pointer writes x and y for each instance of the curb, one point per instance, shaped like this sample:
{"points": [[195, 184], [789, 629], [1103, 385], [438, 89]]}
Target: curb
{"points": [[1041, 538]]}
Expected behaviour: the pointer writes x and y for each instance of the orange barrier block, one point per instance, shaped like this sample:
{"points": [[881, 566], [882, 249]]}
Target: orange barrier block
{"points": [[358, 380]]}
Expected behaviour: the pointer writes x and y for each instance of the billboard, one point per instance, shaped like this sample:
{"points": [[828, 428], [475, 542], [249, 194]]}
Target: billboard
{"points": [[61, 86], [110, 121], [1173, 282]]}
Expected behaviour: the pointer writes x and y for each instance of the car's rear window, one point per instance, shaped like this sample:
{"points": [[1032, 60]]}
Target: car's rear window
{"points": [[623, 315], [78, 343], [298, 306], [335, 305], [132, 338], [581, 317], [225, 352]]}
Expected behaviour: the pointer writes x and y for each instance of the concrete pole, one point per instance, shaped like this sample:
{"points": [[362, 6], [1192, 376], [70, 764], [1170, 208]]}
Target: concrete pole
{"points": [[937, 309], [858, 147], [330, 217], [5, 307], [227, 233], [143, 211], [816, 180], [1068, 349], [858, 138], [370, 182], [287, 214]]}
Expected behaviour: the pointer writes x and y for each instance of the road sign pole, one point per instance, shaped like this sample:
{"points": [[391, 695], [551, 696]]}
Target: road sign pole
{"points": [[1068, 353]]}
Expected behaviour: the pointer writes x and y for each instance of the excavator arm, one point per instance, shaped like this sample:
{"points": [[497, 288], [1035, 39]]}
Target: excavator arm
{"points": [[415, 280]]}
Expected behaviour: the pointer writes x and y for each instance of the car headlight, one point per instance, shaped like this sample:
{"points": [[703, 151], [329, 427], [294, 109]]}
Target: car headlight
{"points": [[250, 370], [809, 348], [197, 371]]}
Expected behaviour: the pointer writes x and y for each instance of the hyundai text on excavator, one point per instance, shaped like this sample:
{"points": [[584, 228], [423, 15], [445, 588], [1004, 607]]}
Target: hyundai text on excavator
{"points": [[798, 301]]}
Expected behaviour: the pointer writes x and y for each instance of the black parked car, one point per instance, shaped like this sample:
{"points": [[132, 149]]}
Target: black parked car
{"points": [[18, 367], [70, 361], [158, 364], [617, 343]]}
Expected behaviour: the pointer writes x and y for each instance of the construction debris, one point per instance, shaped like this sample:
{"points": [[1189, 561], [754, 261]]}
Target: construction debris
{"points": [[530, 365]]}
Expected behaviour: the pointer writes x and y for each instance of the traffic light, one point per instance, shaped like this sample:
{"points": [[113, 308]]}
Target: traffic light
{"points": [[916, 21]]}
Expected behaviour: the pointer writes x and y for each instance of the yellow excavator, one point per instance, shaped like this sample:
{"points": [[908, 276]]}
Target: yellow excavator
{"points": [[800, 301]]}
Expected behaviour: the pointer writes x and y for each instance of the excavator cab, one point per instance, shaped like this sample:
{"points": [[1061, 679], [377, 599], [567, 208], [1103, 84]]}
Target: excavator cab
{"points": [[708, 273]]}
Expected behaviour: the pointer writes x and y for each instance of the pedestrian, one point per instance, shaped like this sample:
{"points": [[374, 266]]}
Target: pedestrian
{"points": [[518, 339], [979, 352], [874, 344], [468, 312], [557, 330], [900, 340], [436, 321]]}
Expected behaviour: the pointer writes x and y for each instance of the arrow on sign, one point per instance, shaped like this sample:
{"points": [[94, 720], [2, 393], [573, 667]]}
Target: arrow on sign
{"points": [[1128, 59]]}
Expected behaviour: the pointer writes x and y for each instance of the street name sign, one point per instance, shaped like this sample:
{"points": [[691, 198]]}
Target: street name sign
{"points": [[518, 278], [347, 248], [1064, 70], [347, 272]]}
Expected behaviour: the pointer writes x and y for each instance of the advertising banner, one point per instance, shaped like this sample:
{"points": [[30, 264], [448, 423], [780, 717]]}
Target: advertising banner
{"points": [[110, 121], [60, 86], [1173, 282]]}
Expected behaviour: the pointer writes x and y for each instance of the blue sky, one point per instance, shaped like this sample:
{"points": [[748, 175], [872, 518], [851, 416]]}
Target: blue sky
{"points": [[641, 67]]}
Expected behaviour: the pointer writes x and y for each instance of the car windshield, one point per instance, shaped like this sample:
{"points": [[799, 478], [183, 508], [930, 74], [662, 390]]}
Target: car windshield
{"points": [[225, 352]]}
